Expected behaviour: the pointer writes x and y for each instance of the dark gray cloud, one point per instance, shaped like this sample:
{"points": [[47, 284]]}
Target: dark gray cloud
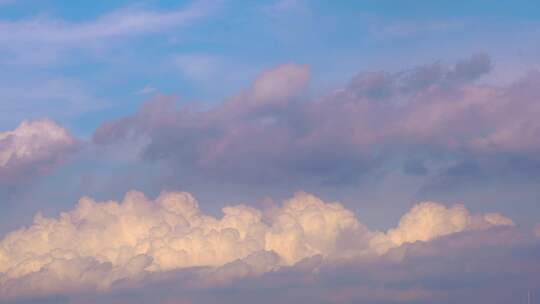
{"points": [[383, 85]]}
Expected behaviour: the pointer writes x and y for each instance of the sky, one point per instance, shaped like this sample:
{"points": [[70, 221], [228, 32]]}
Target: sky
{"points": [[289, 151]]}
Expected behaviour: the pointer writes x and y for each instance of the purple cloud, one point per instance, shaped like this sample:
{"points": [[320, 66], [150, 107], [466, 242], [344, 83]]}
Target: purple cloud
{"points": [[56, 36], [32, 149], [270, 132]]}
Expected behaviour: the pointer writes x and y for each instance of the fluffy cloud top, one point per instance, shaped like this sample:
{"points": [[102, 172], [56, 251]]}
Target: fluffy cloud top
{"points": [[429, 220], [32, 148], [279, 84], [100, 244]]}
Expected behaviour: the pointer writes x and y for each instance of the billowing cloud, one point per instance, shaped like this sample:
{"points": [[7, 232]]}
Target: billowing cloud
{"points": [[429, 220], [33, 148], [278, 85], [99, 245], [494, 266], [271, 132]]}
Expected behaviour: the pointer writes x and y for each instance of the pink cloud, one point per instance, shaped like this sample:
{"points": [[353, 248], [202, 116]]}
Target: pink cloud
{"points": [[269, 132], [33, 149]]}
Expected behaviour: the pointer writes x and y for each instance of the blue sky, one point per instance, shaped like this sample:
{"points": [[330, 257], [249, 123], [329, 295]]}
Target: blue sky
{"points": [[400, 111], [211, 56]]}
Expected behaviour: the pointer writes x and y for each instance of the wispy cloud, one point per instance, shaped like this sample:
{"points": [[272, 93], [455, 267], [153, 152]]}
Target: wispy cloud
{"points": [[21, 38], [6, 2], [146, 90], [285, 6], [34, 98], [407, 29], [199, 67]]}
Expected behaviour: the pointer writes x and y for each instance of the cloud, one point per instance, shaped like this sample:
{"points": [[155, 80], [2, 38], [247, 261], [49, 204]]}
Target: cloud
{"points": [[382, 85], [198, 66], [5, 2], [494, 266], [537, 230], [280, 8], [32, 149], [278, 84], [409, 29], [429, 220], [146, 90], [100, 245], [54, 36], [39, 97], [271, 132]]}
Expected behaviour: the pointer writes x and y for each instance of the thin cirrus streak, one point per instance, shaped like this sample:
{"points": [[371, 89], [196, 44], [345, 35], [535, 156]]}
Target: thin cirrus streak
{"points": [[98, 244], [55, 36]]}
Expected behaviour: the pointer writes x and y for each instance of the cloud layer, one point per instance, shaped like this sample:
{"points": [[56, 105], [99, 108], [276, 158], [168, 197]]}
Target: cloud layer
{"points": [[101, 244], [270, 132], [31, 149]]}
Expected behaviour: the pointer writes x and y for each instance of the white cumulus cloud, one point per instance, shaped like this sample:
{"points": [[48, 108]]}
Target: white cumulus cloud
{"points": [[98, 244]]}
